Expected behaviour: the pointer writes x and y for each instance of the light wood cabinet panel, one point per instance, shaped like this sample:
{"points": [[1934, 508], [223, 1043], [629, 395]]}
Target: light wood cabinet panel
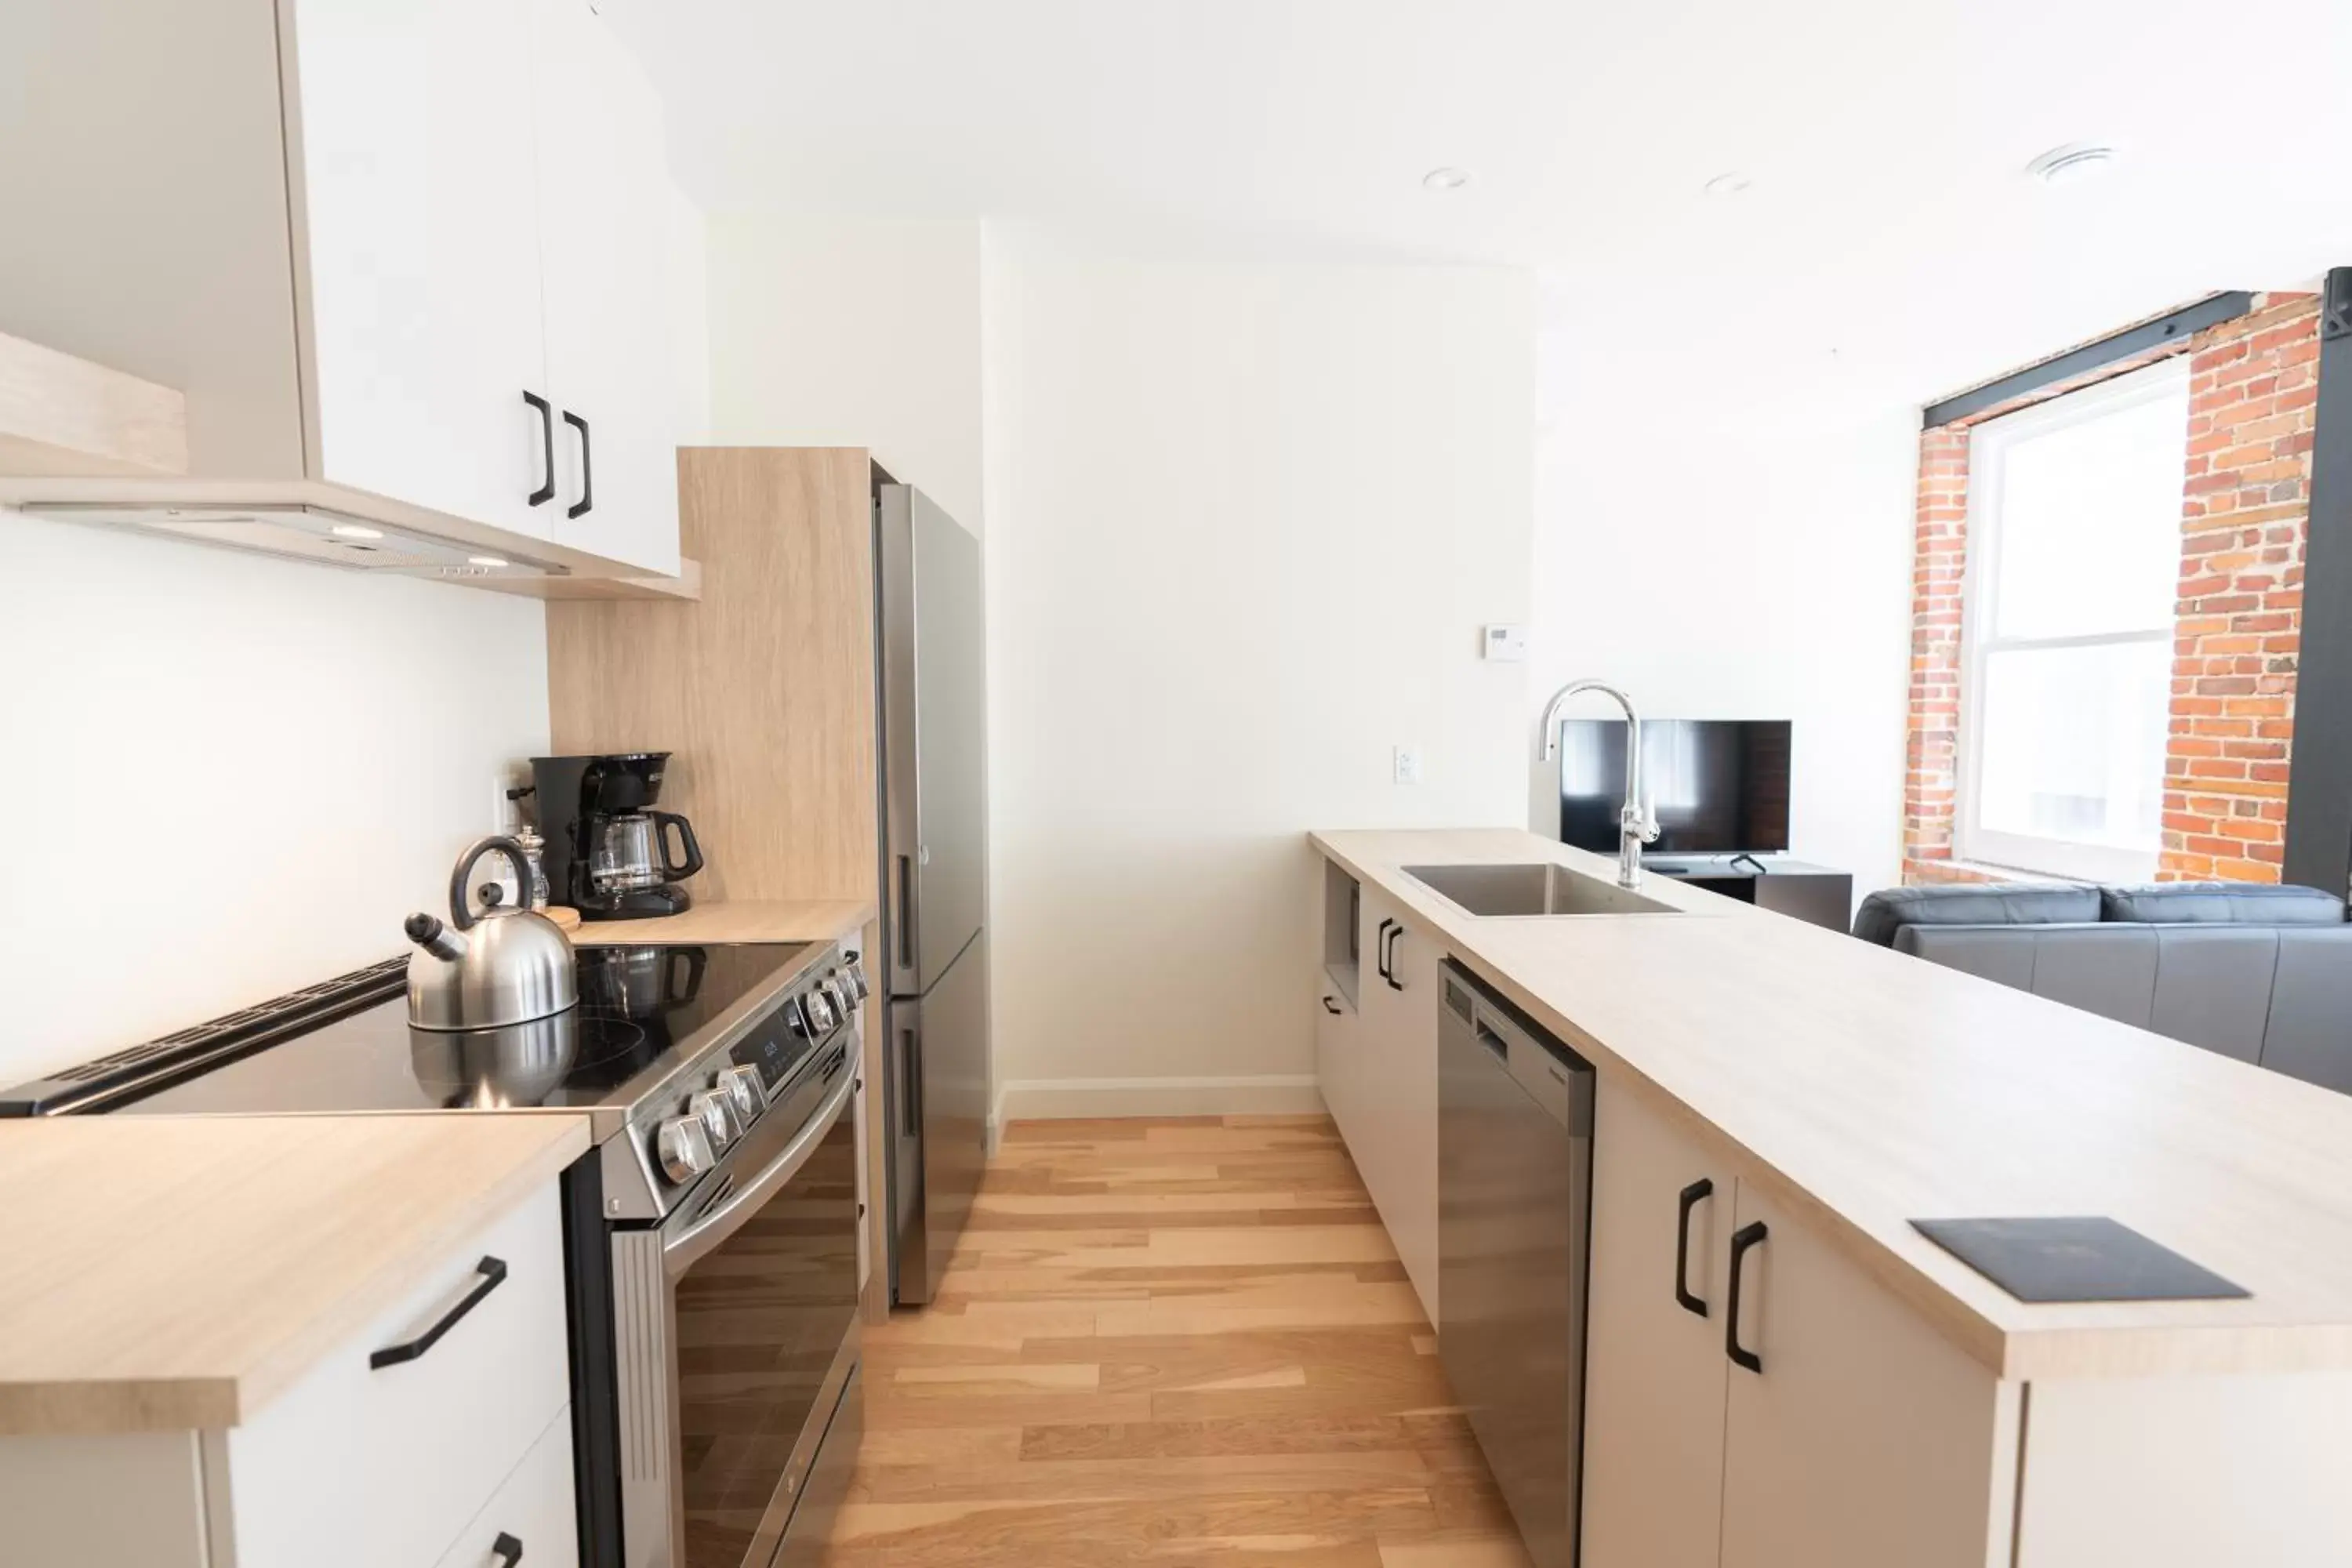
{"points": [[418, 212], [1868, 1438], [1655, 1370]]}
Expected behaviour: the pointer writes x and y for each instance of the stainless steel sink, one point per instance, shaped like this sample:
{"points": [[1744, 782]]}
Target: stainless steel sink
{"points": [[1538, 889]]}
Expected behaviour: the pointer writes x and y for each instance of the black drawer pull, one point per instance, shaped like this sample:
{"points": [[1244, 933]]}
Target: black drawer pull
{"points": [[493, 1272], [545, 492], [1747, 1237], [1388, 971], [587, 468], [1381, 949], [1692, 1197], [506, 1548], [1330, 1007]]}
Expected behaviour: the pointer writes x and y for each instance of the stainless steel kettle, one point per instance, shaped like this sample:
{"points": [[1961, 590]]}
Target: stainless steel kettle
{"points": [[502, 966]]}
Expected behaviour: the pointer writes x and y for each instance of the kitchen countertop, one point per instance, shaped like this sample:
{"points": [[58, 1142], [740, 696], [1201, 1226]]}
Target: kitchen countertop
{"points": [[1867, 1089], [168, 1273], [774, 920]]}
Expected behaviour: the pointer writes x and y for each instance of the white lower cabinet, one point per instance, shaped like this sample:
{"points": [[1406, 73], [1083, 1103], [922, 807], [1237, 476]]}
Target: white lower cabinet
{"points": [[422, 1439], [1654, 1369], [1396, 1150], [532, 1517], [390, 1461], [1854, 1434], [1340, 1069]]}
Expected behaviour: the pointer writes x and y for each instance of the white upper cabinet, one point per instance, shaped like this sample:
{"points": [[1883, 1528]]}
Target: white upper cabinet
{"points": [[359, 237], [418, 197], [602, 194]]}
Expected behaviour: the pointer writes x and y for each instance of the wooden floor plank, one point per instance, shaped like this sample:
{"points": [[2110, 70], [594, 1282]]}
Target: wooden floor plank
{"points": [[1187, 1341]]}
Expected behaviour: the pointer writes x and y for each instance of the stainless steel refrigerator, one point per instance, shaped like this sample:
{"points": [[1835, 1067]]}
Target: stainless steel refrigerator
{"points": [[934, 875]]}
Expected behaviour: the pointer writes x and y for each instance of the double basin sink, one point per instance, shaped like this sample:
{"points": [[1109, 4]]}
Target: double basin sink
{"points": [[1537, 888]]}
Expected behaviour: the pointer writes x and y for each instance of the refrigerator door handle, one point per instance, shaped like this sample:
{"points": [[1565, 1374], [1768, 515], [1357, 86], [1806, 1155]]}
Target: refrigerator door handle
{"points": [[911, 1083], [906, 919]]}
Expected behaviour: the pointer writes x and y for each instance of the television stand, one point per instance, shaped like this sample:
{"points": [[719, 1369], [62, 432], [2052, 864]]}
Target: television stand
{"points": [[1780, 883]]}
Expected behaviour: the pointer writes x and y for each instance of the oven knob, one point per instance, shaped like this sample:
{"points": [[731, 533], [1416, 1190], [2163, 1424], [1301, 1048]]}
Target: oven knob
{"points": [[682, 1148], [796, 1018], [717, 1114], [837, 993], [745, 1092], [857, 973], [820, 1011]]}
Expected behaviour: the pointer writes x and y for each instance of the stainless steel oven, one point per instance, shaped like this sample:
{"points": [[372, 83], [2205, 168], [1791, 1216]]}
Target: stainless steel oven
{"points": [[736, 1340]]}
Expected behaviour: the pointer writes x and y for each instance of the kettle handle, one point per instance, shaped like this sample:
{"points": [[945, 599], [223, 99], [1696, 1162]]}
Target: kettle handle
{"points": [[461, 915]]}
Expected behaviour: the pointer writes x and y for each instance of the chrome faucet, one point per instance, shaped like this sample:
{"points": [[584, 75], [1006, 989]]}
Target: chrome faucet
{"points": [[1636, 824]]}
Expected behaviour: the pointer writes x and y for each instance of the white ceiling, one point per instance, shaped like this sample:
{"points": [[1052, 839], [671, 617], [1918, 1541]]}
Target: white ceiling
{"points": [[1889, 220]]}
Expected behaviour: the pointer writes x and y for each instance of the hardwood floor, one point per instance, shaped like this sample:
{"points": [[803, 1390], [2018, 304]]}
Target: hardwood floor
{"points": [[1185, 1342]]}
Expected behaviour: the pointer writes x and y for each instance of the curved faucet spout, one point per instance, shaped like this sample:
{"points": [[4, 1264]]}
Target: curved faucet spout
{"points": [[1635, 824]]}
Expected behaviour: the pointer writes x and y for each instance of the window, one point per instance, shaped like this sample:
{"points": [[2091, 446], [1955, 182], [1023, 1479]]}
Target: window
{"points": [[2073, 570]]}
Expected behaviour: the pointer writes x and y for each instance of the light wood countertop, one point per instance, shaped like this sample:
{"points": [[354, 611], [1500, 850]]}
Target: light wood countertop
{"points": [[768, 920], [1867, 1088], [167, 1273]]}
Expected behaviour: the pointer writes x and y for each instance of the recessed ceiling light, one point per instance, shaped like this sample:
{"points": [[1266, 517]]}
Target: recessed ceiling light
{"points": [[354, 531], [1726, 184], [1445, 179], [2074, 160], [487, 559]]}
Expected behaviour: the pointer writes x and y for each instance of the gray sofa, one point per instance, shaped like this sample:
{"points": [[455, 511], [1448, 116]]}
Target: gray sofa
{"points": [[2261, 973]]}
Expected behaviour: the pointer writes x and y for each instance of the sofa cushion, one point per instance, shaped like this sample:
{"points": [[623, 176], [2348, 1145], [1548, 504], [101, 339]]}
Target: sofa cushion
{"points": [[2221, 903], [2006, 903]]}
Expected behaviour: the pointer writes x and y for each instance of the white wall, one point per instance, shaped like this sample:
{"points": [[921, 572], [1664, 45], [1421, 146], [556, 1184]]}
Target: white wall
{"points": [[232, 776], [1726, 555], [852, 333], [1245, 521]]}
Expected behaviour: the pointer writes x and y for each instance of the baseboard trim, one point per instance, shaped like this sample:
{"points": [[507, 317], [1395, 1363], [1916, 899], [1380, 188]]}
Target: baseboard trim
{"points": [[1071, 1098]]}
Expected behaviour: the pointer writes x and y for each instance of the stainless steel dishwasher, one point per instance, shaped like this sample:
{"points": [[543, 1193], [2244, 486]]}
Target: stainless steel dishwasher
{"points": [[1515, 1184]]}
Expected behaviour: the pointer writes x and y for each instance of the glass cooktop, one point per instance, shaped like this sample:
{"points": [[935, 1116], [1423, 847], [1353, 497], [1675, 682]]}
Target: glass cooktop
{"points": [[637, 1006]]}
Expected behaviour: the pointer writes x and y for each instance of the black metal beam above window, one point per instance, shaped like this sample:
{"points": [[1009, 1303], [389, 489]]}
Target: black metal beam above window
{"points": [[2126, 344], [2319, 774]]}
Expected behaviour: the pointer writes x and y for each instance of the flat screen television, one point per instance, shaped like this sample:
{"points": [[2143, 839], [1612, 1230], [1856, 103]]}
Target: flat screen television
{"points": [[1720, 786]]}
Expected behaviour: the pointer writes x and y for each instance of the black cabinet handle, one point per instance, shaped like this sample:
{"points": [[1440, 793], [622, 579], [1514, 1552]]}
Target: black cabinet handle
{"points": [[1330, 1007], [493, 1271], [1747, 1237], [1381, 949], [1388, 970], [545, 492], [1690, 1198], [506, 1548], [587, 469]]}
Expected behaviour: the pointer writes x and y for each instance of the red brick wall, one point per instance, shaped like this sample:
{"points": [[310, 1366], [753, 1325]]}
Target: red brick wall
{"points": [[2253, 390], [2252, 398]]}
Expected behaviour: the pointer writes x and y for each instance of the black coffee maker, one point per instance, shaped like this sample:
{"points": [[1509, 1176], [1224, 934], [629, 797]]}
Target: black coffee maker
{"points": [[608, 851]]}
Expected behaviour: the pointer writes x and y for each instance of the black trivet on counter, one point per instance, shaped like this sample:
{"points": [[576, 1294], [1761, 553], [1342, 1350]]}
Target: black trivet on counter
{"points": [[2086, 1257]]}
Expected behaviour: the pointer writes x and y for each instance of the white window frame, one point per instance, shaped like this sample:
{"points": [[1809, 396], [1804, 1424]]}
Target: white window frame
{"points": [[1988, 449]]}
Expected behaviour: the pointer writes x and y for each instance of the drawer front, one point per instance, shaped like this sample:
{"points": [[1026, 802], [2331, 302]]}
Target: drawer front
{"points": [[531, 1520], [383, 1466]]}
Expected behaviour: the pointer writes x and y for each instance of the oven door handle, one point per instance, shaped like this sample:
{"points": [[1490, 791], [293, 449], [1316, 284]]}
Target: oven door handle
{"points": [[690, 1245]]}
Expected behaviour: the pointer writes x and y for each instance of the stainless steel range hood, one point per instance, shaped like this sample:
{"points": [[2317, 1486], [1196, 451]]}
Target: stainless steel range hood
{"points": [[303, 532]]}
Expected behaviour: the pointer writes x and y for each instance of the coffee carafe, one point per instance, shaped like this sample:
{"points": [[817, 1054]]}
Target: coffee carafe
{"points": [[609, 853]]}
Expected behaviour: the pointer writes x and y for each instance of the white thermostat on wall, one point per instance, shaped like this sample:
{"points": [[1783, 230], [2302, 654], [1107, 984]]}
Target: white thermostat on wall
{"points": [[1507, 644]]}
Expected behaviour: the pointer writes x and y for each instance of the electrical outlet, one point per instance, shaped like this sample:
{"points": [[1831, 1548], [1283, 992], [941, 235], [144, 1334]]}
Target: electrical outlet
{"points": [[1408, 764]]}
